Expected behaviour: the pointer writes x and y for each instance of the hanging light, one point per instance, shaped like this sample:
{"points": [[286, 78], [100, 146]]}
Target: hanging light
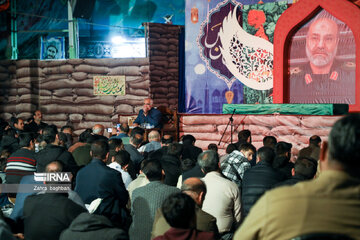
{"points": [[194, 14]]}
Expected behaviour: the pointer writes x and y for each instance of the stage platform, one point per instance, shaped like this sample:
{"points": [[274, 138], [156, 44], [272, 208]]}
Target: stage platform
{"points": [[287, 109]]}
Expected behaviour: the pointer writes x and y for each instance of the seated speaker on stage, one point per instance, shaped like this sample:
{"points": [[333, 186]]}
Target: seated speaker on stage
{"points": [[148, 117]]}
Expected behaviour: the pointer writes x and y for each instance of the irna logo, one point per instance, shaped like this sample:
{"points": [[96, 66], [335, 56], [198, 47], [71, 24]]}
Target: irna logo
{"points": [[53, 177]]}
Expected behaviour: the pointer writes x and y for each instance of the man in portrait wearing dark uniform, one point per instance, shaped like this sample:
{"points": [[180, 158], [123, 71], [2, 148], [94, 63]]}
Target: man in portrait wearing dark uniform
{"points": [[323, 79]]}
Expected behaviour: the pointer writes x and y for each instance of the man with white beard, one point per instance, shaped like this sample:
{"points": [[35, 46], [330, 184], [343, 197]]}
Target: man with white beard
{"points": [[323, 79]]}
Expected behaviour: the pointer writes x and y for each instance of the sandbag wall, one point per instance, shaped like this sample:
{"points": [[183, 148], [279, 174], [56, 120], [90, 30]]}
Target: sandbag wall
{"points": [[18, 90], [63, 90], [293, 129], [163, 52]]}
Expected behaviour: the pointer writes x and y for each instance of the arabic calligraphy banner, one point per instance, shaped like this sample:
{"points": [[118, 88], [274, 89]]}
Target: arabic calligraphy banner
{"points": [[109, 85]]}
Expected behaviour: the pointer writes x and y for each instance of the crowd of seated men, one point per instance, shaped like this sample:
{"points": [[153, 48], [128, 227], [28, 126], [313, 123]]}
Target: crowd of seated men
{"points": [[124, 188]]}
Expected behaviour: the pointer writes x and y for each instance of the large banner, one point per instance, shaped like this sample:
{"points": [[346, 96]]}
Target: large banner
{"points": [[229, 52]]}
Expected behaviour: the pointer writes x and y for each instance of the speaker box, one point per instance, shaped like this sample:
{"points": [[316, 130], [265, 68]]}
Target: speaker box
{"points": [[83, 8]]}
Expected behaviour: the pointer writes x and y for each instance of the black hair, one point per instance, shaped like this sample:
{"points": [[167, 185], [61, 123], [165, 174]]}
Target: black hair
{"points": [[187, 164], [243, 135], [269, 141], [282, 147], [175, 149], [230, 148], [246, 147], [306, 167], [152, 169], [315, 140], [122, 157], [49, 134], [266, 154], [99, 149], [125, 128], [179, 210], [188, 139], [136, 139], [114, 143], [13, 120], [344, 143], [85, 135], [25, 138], [62, 137], [212, 146], [208, 161], [137, 130]]}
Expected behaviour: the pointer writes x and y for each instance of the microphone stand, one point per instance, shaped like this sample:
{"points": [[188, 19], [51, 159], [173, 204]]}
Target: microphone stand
{"points": [[231, 120]]}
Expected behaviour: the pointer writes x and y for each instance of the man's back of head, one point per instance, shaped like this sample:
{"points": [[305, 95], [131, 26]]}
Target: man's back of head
{"points": [[315, 140], [244, 136], [136, 140], [179, 211], [282, 148], [344, 145], [269, 141], [98, 129], [305, 167], [195, 188], [152, 170], [49, 134], [115, 144], [174, 149], [208, 161], [154, 136], [99, 149], [25, 139], [54, 166], [266, 154], [188, 139], [124, 127], [137, 130]]}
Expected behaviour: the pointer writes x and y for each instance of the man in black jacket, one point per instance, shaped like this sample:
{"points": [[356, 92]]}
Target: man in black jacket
{"points": [[36, 124], [259, 179], [304, 169], [97, 181], [53, 152]]}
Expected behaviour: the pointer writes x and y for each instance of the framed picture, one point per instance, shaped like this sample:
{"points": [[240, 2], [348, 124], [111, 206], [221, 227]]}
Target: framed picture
{"points": [[52, 48], [315, 58]]}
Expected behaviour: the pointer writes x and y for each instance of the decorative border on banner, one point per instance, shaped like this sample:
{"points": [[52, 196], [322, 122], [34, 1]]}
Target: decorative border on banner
{"points": [[228, 81]]}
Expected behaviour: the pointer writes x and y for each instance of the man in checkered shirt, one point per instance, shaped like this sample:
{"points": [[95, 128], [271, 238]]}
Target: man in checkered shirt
{"points": [[235, 165]]}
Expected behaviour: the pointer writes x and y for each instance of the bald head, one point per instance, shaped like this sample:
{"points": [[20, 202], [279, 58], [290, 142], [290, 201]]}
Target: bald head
{"points": [[154, 136], [54, 166], [98, 129], [195, 188], [148, 104]]}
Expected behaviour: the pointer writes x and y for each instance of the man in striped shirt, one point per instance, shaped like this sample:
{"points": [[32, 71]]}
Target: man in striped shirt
{"points": [[22, 162]]}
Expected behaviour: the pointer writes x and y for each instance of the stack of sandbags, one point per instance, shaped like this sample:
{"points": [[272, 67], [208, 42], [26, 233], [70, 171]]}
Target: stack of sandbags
{"points": [[63, 90], [294, 129], [163, 45]]}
